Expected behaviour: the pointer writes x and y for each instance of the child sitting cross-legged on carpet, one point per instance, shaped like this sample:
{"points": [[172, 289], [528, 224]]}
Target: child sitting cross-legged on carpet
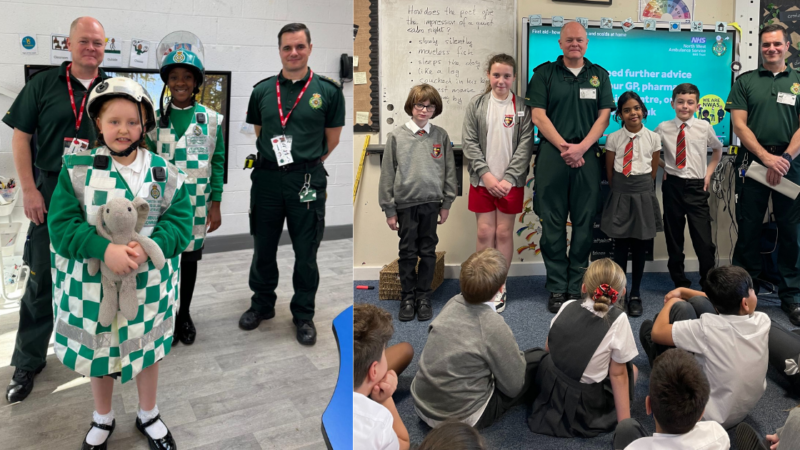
{"points": [[471, 368]]}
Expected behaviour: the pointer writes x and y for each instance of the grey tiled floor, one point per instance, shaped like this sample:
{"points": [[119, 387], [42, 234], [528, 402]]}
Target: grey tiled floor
{"points": [[232, 389]]}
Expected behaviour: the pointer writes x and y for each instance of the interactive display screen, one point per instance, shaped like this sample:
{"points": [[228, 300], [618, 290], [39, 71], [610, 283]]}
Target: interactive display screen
{"points": [[652, 63]]}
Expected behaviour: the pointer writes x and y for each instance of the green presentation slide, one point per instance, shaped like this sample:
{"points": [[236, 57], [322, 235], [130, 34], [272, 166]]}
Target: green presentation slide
{"points": [[652, 63]]}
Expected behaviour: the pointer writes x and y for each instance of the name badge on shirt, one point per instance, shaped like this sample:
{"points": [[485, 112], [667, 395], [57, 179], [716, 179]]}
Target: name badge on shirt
{"points": [[588, 94], [75, 145], [282, 146], [786, 98]]}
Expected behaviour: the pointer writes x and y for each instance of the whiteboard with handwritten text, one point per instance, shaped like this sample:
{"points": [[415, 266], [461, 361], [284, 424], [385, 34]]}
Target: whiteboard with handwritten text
{"points": [[444, 43]]}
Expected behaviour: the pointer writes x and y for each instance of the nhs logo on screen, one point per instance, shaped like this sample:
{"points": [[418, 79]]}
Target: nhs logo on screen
{"points": [[698, 40]]}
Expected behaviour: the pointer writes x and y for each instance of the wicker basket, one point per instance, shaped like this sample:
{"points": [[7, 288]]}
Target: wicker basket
{"points": [[389, 286]]}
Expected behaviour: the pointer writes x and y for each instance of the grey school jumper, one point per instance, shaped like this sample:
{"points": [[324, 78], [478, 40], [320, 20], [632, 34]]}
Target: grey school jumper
{"points": [[474, 140], [470, 348], [416, 170]]}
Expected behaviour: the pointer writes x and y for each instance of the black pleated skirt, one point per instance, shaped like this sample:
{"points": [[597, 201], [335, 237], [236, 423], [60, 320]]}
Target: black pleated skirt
{"points": [[631, 209]]}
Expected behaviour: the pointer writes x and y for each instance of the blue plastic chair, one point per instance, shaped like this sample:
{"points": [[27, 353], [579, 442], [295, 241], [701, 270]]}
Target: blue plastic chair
{"points": [[337, 420]]}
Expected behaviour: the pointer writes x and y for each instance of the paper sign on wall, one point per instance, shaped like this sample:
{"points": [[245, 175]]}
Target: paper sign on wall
{"points": [[113, 53], [362, 117], [140, 53], [360, 78], [535, 20], [355, 61], [29, 45], [697, 26], [58, 49]]}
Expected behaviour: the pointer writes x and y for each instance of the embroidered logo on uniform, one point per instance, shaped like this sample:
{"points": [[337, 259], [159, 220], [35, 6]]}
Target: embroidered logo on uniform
{"points": [[437, 151], [197, 130], [316, 101], [795, 88], [179, 57], [508, 122], [155, 192], [594, 81]]}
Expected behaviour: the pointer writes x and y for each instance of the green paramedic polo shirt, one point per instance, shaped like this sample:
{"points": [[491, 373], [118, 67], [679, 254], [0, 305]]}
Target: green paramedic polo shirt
{"points": [[757, 92], [43, 108], [558, 91], [322, 106]]}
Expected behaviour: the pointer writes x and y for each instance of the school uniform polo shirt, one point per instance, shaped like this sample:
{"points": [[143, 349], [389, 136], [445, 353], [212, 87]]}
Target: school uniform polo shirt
{"points": [[43, 107], [372, 425], [699, 136], [757, 92], [733, 352], [645, 143], [558, 91], [322, 106], [704, 436]]}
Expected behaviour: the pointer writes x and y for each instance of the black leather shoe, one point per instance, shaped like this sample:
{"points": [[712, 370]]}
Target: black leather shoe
{"points": [[424, 310], [186, 331], [407, 310], [251, 318], [306, 332], [573, 297], [555, 301], [635, 306], [21, 384], [109, 428], [165, 443], [793, 311]]}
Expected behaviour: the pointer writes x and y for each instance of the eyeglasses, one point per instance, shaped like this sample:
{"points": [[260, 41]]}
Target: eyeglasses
{"points": [[420, 107]]}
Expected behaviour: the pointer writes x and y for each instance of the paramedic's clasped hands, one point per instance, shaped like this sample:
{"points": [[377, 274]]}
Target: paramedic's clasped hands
{"points": [[385, 388], [120, 259], [498, 189], [573, 154], [778, 168]]}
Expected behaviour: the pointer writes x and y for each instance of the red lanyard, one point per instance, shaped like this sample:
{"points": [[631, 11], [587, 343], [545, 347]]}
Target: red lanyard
{"points": [[78, 116], [284, 120]]}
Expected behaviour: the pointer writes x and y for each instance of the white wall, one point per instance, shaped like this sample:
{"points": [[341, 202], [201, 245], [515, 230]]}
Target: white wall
{"points": [[239, 36]]}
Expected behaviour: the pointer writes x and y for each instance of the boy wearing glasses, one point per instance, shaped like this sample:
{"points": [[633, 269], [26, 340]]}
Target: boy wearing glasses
{"points": [[417, 186]]}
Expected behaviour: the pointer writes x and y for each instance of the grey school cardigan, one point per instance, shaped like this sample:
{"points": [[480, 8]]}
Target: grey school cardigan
{"points": [[473, 136], [469, 350]]}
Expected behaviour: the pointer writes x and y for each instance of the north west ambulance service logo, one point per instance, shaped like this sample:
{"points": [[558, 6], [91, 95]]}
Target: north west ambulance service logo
{"points": [[508, 122], [179, 57], [719, 48], [795, 88], [437, 151], [316, 101], [594, 81], [154, 191]]}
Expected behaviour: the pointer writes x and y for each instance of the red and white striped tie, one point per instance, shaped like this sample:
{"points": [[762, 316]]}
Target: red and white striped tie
{"points": [[680, 156], [421, 132], [627, 160]]}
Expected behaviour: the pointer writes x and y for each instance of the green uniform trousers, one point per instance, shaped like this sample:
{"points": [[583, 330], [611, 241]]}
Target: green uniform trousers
{"points": [[751, 206], [36, 308], [562, 191], [274, 196]]}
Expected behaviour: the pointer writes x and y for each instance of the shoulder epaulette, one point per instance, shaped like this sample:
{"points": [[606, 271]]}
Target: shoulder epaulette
{"points": [[746, 72], [331, 80], [540, 65], [601, 67], [265, 79]]}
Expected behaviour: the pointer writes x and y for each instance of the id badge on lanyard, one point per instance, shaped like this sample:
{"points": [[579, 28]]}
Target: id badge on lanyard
{"points": [[74, 145], [282, 144]]}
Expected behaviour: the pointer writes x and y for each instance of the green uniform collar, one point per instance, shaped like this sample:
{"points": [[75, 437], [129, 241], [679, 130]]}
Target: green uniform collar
{"points": [[62, 72], [284, 80], [762, 69], [586, 63]]}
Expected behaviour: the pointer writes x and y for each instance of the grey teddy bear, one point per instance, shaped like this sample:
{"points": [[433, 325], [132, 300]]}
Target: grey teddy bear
{"points": [[120, 221]]}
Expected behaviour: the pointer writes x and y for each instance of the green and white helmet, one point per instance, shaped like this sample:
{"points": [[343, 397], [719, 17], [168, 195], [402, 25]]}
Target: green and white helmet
{"points": [[181, 49], [124, 88]]}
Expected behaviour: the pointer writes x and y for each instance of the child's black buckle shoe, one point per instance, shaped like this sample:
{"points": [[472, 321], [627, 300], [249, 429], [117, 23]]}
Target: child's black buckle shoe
{"points": [[103, 446], [165, 443]]}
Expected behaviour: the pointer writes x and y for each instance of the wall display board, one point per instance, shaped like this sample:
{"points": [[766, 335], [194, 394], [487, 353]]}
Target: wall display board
{"points": [[215, 92], [445, 44]]}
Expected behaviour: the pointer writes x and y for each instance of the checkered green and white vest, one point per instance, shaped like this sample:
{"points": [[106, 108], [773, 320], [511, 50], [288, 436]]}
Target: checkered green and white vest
{"points": [[192, 153], [126, 346]]}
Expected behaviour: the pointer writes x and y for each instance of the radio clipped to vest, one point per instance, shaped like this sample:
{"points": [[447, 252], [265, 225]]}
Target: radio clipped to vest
{"points": [[249, 162]]}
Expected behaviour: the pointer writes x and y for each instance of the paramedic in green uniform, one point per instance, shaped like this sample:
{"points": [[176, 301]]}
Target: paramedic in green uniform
{"points": [[292, 187], [765, 108], [44, 108], [571, 102]]}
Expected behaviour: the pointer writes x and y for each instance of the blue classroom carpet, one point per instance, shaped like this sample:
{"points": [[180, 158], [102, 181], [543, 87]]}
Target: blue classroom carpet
{"points": [[526, 313]]}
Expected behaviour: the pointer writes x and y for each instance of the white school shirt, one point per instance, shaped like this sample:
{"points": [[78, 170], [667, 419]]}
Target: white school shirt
{"points": [[372, 425], [699, 136], [646, 143], [618, 344], [414, 128], [499, 135], [734, 355], [133, 174], [704, 436]]}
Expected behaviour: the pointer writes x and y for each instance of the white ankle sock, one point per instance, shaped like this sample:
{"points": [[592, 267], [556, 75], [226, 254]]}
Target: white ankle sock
{"points": [[157, 430], [97, 436]]}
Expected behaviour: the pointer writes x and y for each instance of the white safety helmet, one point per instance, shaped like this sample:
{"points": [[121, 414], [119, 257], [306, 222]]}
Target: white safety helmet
{"points": [[121, 87]]}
